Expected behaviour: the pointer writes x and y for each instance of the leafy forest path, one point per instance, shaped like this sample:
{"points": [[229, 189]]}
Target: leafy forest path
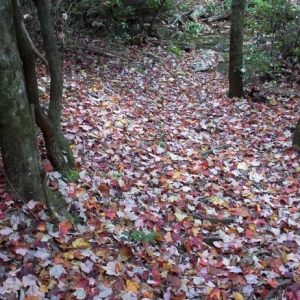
{"points": [[183, 193]]}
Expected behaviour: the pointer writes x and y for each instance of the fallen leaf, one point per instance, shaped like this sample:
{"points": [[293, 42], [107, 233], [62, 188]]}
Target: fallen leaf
{"points": [[81, 243]]}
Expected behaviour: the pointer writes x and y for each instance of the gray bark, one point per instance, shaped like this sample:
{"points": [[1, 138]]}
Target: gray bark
{"points": [[17, 133]]}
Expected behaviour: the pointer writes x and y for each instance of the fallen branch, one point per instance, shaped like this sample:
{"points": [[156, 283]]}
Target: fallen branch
{"points": [[219, 18], [283, 284], [210, 151], [209, 240], [102, 52], [213, 220]]}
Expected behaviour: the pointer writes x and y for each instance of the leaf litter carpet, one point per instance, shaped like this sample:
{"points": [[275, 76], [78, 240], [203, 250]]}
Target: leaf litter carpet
{"points": [[183, 193]]}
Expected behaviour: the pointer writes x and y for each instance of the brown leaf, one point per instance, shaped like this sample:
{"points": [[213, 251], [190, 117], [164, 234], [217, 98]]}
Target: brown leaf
{"points": [[174, 281], [125, 252]]}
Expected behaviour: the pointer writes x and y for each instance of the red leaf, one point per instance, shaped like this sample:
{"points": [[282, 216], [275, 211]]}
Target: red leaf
{"points": [[64, 227], [110, 213], [273, 283]]}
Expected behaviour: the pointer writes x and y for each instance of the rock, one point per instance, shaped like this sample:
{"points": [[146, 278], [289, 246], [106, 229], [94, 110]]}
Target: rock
{"points": [[201, 66], [198, 12], [220, 47]]}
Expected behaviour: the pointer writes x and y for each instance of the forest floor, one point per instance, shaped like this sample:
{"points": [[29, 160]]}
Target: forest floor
{"points": [[183, 193]]}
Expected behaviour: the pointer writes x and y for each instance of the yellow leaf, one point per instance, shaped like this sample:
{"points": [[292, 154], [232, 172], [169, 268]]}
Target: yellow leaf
{"points": [[180, 215], [105, 104], [96, 87], [43, 289], [172, 198], [180, 72], [217, 200], [252, 226], [176, 175], [69, 255], [237, 296], [132, 286], [273, 101], [195, 231], [81, 244]]}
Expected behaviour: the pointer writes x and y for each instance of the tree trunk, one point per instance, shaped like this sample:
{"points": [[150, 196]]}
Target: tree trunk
{"points": [[17, 133], [54, 151], [236, 49], [296, 137], [56, 84]]}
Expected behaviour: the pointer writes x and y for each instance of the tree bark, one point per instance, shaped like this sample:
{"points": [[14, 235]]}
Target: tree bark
{"points": [[236, 49], [56, 84], [17, 134], [296, 137], [54, 151]]}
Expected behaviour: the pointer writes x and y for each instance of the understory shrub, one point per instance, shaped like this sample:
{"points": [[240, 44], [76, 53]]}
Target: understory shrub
{"points": [[274, 29]]}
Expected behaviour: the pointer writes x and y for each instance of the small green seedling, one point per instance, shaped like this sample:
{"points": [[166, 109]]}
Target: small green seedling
{"points": [[139, 236], [175, 50], [73, 176]]}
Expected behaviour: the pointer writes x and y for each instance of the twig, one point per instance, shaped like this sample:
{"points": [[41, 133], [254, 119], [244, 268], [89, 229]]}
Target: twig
{"points": [[102, 52], [210, 151], [209, 240], [213, 220]]}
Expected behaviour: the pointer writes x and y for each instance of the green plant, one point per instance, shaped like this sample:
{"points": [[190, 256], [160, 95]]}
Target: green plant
{"points": [[119, 11], [140, 68], [274, 29], [259, 62], [73, 176], [139, 236], [278, 22], [156, 4], [116, 175], [215, 8], [227, 4], [183, 6], [194, 27], [175, 50]]}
